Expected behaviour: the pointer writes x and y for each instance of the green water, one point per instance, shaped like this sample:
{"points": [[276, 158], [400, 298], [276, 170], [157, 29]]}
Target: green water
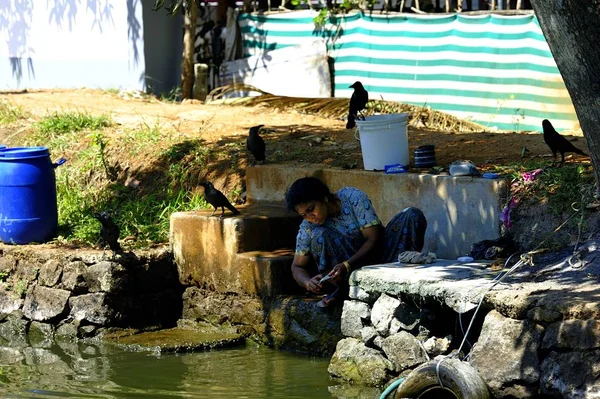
{"points": [[96, 370]]}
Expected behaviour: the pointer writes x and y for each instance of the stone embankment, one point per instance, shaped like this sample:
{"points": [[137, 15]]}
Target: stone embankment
{"points": [[537, 333], [52, 291]]}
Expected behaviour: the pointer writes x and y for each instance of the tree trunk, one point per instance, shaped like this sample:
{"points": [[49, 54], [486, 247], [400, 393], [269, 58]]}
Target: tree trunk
{"points": [[189, 38], [571, 28]]}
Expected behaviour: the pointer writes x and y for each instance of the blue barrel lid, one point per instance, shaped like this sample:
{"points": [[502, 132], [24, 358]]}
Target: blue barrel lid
{"points": [[24, 152]]}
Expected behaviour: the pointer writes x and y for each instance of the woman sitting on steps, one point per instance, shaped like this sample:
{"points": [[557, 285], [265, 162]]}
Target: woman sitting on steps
{"points": [[341, 232]]}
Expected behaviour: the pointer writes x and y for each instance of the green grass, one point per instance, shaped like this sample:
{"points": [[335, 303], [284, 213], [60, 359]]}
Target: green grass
{"points": [[143, 213], [10, 113], [69, 122], [112, 90], [137, 140], [562, 188]]}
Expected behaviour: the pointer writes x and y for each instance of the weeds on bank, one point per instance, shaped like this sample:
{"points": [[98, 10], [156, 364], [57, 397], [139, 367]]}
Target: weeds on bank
{"points": [[112, 91], [96, 178], [92, 183], [559, 187], [10, 113], [138, 140], [69, 122]]}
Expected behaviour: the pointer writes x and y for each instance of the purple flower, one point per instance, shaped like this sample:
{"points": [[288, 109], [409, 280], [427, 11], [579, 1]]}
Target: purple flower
{"points": [[505, 214], [529, 177]]}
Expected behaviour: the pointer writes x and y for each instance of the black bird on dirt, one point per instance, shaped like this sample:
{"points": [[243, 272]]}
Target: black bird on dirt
{"points": [[217, 199], [256, 144], [358, 101], [558, 143], [109, 232]]}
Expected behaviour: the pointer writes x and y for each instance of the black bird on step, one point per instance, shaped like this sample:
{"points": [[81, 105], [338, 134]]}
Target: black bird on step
{"points": [[558, 143], [109, 232], [217, 199], [256, 144], [358, 101]]}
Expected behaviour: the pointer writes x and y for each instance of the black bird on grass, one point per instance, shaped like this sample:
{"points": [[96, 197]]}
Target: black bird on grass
{"points": [[217, 199], [558, 143], [256, 144], [109, 232], [358, 101]]}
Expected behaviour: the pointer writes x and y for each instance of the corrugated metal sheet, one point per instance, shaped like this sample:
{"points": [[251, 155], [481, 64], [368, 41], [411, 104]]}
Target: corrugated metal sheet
{"points": [[496, 70]]}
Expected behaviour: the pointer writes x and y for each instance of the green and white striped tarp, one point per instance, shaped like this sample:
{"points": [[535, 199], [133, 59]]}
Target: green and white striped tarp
{"points": [[496, 70]]}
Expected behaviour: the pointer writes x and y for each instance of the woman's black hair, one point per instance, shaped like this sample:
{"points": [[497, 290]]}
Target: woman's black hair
{"points": [[305, 190]]}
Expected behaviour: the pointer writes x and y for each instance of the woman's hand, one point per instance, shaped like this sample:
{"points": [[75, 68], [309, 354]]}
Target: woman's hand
{"points": [[339, 273], [313, 285]]}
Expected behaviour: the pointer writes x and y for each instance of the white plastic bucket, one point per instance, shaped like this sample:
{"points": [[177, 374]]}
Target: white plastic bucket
{"points": [[383, 140]]}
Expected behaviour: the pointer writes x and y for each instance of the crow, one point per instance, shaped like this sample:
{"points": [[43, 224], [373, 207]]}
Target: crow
{"points": [[109, 232], [256, 144], [358, 101], [217, 199], [558, 143]]}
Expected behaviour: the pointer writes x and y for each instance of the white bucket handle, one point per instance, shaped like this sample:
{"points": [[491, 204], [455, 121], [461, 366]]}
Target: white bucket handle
{"points": [[356, 132]]}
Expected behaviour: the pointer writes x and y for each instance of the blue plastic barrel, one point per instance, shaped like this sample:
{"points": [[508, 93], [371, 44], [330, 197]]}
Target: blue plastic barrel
{"points": [[28, 210], [2, 146]]}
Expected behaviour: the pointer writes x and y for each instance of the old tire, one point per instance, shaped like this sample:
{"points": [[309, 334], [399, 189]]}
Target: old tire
{"points": [[460, 381]]}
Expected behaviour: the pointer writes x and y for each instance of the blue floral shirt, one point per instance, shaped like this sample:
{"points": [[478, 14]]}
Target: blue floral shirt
{"points": [[357, 213]]}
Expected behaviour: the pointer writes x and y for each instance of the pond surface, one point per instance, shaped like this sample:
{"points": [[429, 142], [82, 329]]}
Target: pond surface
{"points": [[100, 370]]}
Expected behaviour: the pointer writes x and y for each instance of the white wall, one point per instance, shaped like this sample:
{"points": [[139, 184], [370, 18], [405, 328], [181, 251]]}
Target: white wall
{"points": [[71, 43]]}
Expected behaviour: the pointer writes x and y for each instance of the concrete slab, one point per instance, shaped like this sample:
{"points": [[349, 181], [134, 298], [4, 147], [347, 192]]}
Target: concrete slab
{"points": [[460, 210], [458, 285], [548, 291]]}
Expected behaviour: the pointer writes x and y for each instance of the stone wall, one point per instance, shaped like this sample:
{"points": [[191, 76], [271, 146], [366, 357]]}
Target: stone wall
{"points": [[387, 336], [47, 290], [285, 322]]}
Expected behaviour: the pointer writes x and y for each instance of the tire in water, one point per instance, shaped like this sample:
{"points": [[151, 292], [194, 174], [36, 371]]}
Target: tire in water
{"points": [[460, 380]]}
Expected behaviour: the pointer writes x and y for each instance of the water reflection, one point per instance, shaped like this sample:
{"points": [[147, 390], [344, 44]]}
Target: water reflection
{"points": [[102, 370]]}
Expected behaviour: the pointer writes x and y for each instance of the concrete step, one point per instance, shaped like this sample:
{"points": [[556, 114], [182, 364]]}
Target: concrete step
{"points": [[265, 274], [208, 250], [261, 226]]}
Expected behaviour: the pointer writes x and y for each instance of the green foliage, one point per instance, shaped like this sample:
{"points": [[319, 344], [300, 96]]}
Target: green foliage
{"points": [[98, 176], [563, 188], [173, 95], [68, 122], [20, 288], [172, 8], [137, 140], [321, 19], [143, 214], [3, 276], [567, 188], [112, 90], [99, 141], [10, 113], [331, 13]]}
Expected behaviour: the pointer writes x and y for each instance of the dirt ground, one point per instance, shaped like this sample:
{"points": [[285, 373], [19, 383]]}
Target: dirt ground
{"points": [[291, 137], [282, 131]]}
